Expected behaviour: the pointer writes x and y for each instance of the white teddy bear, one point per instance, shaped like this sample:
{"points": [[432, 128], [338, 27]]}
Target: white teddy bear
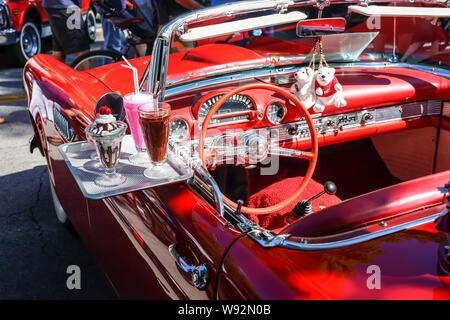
{"points": [[303, 88], [328, 90]]}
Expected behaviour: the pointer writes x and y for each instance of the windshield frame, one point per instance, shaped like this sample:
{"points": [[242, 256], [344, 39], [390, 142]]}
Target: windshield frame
{"points": [[155, 75], [154, 79]]}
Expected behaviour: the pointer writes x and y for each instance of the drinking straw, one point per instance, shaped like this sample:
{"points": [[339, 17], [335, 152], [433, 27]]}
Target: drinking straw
{"points": [[155, 96], [135, 74]]}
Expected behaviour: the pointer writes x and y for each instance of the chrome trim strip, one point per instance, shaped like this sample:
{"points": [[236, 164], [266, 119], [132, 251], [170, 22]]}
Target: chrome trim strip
{"points": [[344, 243]]}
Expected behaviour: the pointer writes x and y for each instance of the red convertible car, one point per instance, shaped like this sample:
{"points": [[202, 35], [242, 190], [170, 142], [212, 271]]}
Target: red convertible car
{"points": [[317, 137]]}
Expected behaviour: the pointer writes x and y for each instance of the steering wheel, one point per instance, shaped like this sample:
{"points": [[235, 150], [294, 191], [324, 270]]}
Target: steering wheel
{"points": [[310, 156]]}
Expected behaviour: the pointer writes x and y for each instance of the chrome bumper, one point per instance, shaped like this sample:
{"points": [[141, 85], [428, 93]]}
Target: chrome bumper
{"points": [[8, 36]]}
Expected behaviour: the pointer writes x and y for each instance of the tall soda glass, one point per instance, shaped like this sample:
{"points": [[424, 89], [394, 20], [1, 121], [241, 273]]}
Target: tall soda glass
{"points": [[155, 128], [131, 103]]}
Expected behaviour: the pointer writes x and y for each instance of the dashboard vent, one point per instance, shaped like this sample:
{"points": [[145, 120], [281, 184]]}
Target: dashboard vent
{"points": [[434, 107], [409, 110]]}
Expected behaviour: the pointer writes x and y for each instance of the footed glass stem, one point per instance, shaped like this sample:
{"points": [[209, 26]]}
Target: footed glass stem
{"points": [[140, 157], [110, 178], [159, 170]]}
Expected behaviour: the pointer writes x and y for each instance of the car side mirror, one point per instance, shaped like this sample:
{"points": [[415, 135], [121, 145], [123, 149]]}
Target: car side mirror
{"points": [[114, 102], [320, 27]]}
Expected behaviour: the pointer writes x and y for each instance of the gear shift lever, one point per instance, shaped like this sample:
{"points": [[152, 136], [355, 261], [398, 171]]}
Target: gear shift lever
{"points": [[304, 208]]}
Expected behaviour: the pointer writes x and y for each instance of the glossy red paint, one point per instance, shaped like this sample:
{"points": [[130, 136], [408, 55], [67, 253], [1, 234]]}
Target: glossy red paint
{"points": [[129, 235], [134, 219], [160, 216], [388, 86], [20, 9], [407, 261]]}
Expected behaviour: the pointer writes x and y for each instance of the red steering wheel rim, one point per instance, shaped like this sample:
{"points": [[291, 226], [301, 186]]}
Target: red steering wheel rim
{"points": [[314, 139]]}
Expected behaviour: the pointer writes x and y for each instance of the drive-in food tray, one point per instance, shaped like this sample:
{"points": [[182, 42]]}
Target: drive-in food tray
{"points": [[78, 158]]}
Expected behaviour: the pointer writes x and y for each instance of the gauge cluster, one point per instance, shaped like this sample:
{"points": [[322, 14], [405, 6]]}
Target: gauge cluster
{"points": [[240, 108], [236, 104]]}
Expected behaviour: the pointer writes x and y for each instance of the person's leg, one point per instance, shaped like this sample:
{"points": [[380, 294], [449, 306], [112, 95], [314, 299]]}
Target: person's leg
{"points": [[114, 38], [54, 18], [59, 55], [73, 40], [84, 65]]}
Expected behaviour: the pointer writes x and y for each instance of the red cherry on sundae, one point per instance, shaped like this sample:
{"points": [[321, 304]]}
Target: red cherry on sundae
{"points": [[105, 110]]}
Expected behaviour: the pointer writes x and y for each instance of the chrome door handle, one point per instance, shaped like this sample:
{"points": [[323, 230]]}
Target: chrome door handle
{"points": [[199, 274]]}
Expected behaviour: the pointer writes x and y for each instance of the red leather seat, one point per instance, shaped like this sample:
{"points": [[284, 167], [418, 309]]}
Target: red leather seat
{"points": [[377, 205]]}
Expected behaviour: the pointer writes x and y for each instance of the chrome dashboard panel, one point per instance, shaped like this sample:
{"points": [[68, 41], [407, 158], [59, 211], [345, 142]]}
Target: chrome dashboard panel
{"points": [[225, 144]]}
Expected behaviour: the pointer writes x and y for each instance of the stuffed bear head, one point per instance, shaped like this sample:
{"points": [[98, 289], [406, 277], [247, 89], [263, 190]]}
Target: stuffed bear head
{"points": [[325, 75], [304, 74]]}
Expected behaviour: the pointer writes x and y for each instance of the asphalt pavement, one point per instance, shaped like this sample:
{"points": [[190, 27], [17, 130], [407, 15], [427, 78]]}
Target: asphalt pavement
{"points": [[35, 249]]}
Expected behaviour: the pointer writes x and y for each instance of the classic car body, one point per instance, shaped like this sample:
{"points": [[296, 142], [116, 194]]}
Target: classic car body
{"points": [[386, 150], [23, 23]]}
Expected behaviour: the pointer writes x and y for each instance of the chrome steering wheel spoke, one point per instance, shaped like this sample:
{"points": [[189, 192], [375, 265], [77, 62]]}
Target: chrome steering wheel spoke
{"points": [[293, 153]]}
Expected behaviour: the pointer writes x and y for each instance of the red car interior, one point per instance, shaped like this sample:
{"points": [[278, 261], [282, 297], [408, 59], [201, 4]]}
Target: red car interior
{"points": [[373, 206]]}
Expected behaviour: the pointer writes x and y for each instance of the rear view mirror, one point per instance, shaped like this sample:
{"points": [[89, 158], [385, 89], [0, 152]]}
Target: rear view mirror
{"points": [[114, 102], [320, 27]]}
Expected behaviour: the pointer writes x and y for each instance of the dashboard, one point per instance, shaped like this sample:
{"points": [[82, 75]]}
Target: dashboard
{"points": [[260, 118], [260, 108]]}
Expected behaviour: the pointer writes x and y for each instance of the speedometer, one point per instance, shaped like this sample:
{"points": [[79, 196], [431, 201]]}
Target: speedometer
{"points": [[236, 103], [275, 112]]}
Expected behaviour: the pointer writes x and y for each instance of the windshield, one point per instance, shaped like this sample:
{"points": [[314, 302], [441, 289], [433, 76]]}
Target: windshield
{"points": [[366, 39]]}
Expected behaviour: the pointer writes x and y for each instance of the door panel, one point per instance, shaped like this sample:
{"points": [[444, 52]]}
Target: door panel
{"points": [[132, 234]]}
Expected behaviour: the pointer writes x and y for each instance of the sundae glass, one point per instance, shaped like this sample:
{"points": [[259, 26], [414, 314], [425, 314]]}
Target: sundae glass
{"points": [[107, 134]]}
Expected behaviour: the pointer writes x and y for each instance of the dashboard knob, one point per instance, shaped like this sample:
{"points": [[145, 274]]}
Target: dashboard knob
{"points": [[367, 117], [292, 131]]}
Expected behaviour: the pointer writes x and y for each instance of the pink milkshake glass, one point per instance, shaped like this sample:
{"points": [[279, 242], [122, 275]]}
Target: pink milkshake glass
{"points": [[131, 103]]}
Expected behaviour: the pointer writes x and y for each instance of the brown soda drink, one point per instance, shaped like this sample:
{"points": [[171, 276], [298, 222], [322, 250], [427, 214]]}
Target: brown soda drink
{"points": [[155, 130]]}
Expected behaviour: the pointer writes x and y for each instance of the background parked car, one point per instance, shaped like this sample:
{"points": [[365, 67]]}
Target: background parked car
{"points": [[23, 24]]}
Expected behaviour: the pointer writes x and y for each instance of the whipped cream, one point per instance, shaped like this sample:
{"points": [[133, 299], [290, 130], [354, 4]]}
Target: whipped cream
{"points": [[105, 118], [106, 125]]}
